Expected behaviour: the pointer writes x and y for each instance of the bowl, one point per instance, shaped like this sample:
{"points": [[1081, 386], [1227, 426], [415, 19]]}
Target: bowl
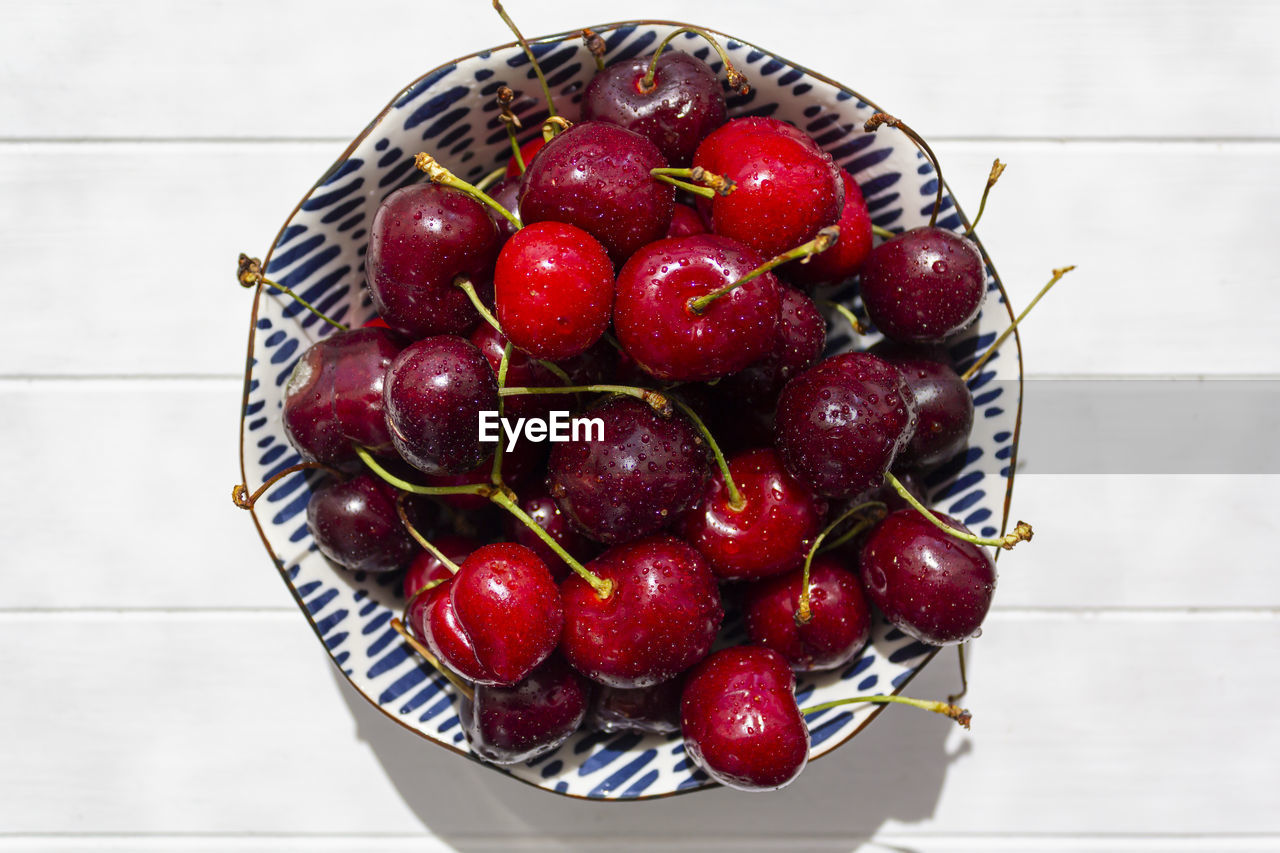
{"points": [[319, 253]]}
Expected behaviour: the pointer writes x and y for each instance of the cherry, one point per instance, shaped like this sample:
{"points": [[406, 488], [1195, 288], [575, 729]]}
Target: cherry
{"points": [[840, 618], [740, 719], [423, 237], [432, 619], [770, 532], [527, 152], [685, 222], [596, 176], [924, 285], [434, 393], [521, 370], [506, 193], [553, 286], [508, 725], [659, 619], [676, 111], [845, 258], [943, 403], [355, 524], [927, 583], [542, 508], [427, 567], [647, 471], [334, 396], [646, 710], [801, 337], [659, 327], [841, 423]]}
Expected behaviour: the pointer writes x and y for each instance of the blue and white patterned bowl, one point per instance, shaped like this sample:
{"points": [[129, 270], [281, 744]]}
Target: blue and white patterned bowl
{"points": [[319, 253]]}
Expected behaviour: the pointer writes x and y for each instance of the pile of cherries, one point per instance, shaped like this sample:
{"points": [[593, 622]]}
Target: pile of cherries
{"points": [[659, 267]]}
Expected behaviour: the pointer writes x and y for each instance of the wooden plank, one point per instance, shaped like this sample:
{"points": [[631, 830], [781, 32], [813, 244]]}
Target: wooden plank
{"points": [[235, 723], [299, 70]]}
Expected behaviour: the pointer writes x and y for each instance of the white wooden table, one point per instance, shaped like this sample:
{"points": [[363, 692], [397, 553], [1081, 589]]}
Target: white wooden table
{"points": [[160, 693]]}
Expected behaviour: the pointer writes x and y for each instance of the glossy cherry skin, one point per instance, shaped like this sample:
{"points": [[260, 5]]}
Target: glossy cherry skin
{"points": [[660, 619], [769, 534], [596, 176], [542, 508], [944, 403], [839, 616], [647, 471], [924, 285], [685, 104], [434, 394], [355, 524], [927, 583], [333, 398], [430, 616], [510, 725], [841, 423], [426, 567], [506, 193], [527, 152], [553, 286], [801, 337], [423, 237], [845, 258], [659, 329], [787, 189], [646, 710], [685, 222], [740, 720]]}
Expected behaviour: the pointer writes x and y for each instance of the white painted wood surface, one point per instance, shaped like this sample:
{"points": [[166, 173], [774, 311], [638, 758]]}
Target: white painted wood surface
{"points": [[160, 692]]}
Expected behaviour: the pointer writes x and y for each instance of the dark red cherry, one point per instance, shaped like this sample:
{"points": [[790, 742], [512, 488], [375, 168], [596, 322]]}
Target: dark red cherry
{"points": [[839, 617], [685, 103], [944, 403], [527, 152], [685, 222], [801, 337], [659, 620], [426, 567], [596, 176], [647, 471], [769, 534], [926, 582], [924, 285], [434, 394], [508, 725], [542, 508], [423, 237], [356, 525], [659, 328], [506, 193], [646, 710], [553, 286], [845, 258], [740, 719], [841, 423]]}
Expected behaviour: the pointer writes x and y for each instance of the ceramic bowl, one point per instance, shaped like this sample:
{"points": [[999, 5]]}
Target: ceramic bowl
{"points": [[319, 253]]}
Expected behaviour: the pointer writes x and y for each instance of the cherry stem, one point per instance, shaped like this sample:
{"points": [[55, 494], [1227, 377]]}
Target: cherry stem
{"points": [[249, 274], [505, 98], [603, 587], [997, 169], [991, 350], [468, 288], [240, 492], [704, 192], [884, 118], [960, 715], [420, 539], [555, 370], [659, 401], [736, 78], [718, 184], [883, 232], [825, 239], [491, 178], [859, 328], [537, 69], [595, 44], [413, 488], [736, 501], [554, 126], [803, 614], [440, 175], [495, 474], [1021, 532], [461, 686], [964, 676]]}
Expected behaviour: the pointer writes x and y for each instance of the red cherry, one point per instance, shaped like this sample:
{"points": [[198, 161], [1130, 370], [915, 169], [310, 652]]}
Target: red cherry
{"points": [[355, 524], [530, 148], [426, 567], [685, 222], [845, 258], [431, 617], [508, 725], [802, 335], [660, 619], [553, 286], [840, 618], [943, 402], [770, 533], [924, 285]]}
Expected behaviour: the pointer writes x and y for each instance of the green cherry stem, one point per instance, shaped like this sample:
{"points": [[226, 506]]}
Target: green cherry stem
{"points": [[991, 350], [461, 686], [883, 232], [470, 289], [878, 119], [524, 45], [736, 501], [703, 192], [960, 715], [825, 239], [1021, 532], [718, 184], [415, 489], [249, 274], [659, 401], [735, 77], [997, 169], [440, 175], [847, 313], [420, 539], [506, 97], [495, 474], [240, 492], [603, 587], [803, 614]]}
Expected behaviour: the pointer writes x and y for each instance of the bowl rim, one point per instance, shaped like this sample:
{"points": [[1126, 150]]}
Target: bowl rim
{"points": [[342, 158]]}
